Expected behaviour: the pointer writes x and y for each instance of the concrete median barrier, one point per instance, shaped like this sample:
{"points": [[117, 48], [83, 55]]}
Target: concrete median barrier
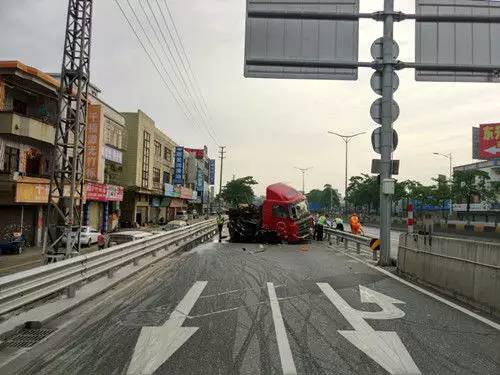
{"points": [[467, 270]]}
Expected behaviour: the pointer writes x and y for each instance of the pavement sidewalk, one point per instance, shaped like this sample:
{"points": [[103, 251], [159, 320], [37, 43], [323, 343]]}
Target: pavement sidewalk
{"points": [[30, 258]]}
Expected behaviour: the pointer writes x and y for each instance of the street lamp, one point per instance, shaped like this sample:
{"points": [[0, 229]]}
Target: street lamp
{"points": [[346, 139], [450, 158], [303, 170]]}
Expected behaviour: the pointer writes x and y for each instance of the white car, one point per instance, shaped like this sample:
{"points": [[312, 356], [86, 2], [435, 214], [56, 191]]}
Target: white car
{"points": [[181, 215], [127, 236], [88, 236]]}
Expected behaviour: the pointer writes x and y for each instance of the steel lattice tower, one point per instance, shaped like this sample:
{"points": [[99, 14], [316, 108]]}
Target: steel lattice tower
{"points": [[65, 215]]}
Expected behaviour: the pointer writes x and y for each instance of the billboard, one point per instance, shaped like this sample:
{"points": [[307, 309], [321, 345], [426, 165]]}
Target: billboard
{"points": [[198, 153], [489, 141], [32, 190], [199, 180], [211, 172], [178, 177], [457, 43], [93, 142], [280, 39]]}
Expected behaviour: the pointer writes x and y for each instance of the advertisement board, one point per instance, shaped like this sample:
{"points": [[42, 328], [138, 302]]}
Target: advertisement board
{"points": [[103, 193], [178, 177], [198, 153], [112, 154], [114, 193], [172, 191], [32, 190], [186, 193], [211, 172], [489, 141], [199, 180], [93, 142]]}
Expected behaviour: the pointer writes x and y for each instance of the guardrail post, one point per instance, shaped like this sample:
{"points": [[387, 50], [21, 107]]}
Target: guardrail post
{"points": [[345, 244], [358, 248], [337, 239], [374, 255], [136, 261], [153, 253], [329, 238], [110, 273], [71, 291]]}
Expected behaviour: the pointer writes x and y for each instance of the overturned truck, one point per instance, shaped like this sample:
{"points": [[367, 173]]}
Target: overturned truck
{"points": [[283, 217]]}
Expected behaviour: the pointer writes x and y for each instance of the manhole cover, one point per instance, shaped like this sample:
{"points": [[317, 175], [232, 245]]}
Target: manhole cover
{"points": [[26, 338]]}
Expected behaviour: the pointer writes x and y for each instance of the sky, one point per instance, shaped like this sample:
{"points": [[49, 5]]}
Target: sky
{"points": [[268, 126]]}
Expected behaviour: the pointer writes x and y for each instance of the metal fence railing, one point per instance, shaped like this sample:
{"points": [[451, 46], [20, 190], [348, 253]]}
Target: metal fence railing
{"points": [[25, 287], [346, 238]]}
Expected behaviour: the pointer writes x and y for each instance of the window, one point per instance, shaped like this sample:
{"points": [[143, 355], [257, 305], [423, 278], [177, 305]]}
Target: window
{"points": [[157, 150], [280, 211], [166, 177], [167, 154], [146, 145], [11, 160], [20, 107], [156, 175]]}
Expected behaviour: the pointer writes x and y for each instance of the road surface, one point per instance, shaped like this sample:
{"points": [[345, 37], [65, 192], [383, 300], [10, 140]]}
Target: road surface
{"points": [[246, 309]]}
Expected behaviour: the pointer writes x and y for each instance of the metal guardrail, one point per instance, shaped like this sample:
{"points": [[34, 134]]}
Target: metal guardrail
{"points": [[25, 287], [347, 237]]}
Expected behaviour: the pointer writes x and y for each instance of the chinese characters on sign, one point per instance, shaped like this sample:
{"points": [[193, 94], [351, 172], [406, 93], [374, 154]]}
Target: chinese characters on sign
{"points": [[489, 141], [211, 172], [178, 178], [104, 193], [93, 142], [32, 190], [199, 180]]}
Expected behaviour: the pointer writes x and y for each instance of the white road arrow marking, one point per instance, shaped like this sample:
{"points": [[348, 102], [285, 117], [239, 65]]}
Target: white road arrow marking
{"points": [[385, 348], [156, 345], [492, 150]]}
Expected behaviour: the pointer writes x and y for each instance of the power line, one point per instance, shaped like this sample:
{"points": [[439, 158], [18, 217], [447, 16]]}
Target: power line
{"points": [[174, 92], [177, 69], [193, 77]]}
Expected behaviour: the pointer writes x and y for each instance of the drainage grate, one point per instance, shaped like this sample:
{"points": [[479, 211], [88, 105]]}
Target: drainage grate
{"points": [[25, 338]]}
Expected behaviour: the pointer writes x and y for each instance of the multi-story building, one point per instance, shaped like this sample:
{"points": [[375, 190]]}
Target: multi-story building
{"points": [[28, 115], [105, 143], [148, 167]]}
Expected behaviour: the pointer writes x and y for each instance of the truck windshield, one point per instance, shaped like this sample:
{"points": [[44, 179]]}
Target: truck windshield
{"points": [[299, 210]]}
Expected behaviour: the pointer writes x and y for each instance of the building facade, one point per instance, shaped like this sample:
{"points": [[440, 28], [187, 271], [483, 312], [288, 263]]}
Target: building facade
{"points": [[28, 115], [150, 194]]}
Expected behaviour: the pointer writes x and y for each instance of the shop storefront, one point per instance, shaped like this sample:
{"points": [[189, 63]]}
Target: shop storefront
{"points": [[179, 199], [102, 207]]}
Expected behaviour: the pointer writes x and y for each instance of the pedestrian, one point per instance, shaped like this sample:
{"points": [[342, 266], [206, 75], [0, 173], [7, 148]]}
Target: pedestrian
{"points": [[339, 225], [101, 241], [320, 227], [355, 224], [220, 225]]}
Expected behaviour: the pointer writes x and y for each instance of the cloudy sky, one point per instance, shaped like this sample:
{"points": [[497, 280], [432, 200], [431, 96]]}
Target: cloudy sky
{"points": [[268, 126]]}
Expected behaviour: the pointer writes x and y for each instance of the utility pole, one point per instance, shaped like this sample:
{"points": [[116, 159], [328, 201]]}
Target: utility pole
{"points": [[386, 144], [65, 204], [221, 154], [303, 170], [449, 156], [346, 139]]}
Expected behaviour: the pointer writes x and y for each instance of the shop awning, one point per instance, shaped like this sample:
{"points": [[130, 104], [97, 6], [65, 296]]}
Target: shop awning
{"points": [[177, 203]]}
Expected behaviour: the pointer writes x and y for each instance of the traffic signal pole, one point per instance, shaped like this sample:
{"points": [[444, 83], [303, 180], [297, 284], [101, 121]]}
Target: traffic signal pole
{"points": [[387, 134]]}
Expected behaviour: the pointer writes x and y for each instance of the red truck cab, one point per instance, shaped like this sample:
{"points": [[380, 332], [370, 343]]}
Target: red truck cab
{"points": [[285, 213]]}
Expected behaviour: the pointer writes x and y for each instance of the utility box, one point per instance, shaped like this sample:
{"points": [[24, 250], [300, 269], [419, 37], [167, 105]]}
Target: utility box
{"points": [[388, 186]]}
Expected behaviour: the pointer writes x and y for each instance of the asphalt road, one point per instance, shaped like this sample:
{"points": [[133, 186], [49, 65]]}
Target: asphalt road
{"points": [[270, 310]]}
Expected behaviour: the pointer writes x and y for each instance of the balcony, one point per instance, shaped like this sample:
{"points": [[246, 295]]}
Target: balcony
{"points": [[25, 126]]}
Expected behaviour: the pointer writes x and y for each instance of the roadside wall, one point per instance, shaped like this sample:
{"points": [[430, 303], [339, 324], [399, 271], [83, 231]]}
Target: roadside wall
{"points": [[464, 269]]}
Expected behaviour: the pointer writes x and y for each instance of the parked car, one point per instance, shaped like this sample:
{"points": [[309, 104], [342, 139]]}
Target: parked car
{"points": [[118, 238], [174, 224], [88, 236], [181, 215], [13, 243]]}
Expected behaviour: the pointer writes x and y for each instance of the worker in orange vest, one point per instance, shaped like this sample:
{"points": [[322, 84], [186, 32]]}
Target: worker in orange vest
{"points": [[355, 224]]}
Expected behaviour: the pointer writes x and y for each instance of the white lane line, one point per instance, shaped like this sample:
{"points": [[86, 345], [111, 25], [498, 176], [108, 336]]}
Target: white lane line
{"points": [[286, 357], [428, 293]]}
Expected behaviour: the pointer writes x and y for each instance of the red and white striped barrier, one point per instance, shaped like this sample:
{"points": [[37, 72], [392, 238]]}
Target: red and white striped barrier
{"points": [[410, 218]]}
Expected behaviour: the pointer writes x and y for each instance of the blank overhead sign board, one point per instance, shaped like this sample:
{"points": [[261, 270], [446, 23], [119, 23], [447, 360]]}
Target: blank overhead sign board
{"points": [[277, 39], [455, 43]]}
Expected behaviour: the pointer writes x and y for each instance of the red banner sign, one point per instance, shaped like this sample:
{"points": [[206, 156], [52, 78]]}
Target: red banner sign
{"points": [[199, 153], [104, 193], [489, 141]]}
